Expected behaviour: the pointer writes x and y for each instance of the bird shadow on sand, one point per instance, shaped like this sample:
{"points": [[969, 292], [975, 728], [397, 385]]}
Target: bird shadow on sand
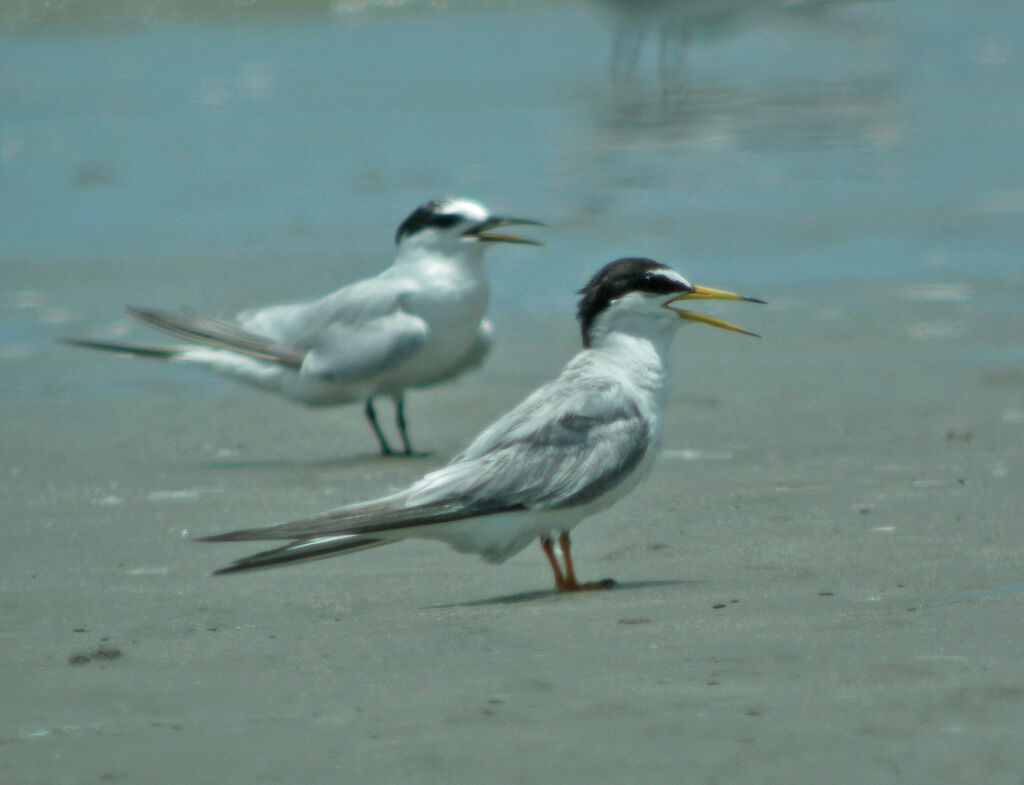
{"points": [[555, 594], [332, 462]]}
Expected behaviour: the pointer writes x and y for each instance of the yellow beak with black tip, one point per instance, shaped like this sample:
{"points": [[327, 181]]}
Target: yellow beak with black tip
{"points": [[707, 293]]}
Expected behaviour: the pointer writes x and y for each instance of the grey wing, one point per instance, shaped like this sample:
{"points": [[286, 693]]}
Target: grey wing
{"points": [[219, 334], [351, 352], [350, 335], [562, 446], [523, 461], [300, 324], [567, 444]]}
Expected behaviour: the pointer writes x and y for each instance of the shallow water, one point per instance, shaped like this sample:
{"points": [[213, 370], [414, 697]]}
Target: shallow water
{"points": [[232, 158]]}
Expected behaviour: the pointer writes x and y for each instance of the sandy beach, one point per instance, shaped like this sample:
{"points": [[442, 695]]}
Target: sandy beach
{"points": [[820, 582]]}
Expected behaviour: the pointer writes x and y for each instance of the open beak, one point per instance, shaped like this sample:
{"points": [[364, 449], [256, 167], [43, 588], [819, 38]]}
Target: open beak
{"points": [[483, 231], [706, 293]]}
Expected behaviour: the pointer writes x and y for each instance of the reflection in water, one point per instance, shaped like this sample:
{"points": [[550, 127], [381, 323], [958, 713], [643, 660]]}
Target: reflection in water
{"points": [[734, 161], [814, 91], [791, 136], [858, 112], [673, 24]]}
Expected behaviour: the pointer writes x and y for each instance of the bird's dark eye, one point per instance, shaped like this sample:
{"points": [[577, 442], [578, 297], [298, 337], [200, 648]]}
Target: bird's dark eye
{"points": [[445, 221]]}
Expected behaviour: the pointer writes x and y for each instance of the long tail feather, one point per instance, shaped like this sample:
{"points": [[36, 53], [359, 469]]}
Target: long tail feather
{"points": [[301, 551], [362, 520], [134, 349], [222, 335]]}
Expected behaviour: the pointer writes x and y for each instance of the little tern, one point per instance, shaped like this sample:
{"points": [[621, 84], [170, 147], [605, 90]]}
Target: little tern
{"points": [[571, 449], [419, 323]]}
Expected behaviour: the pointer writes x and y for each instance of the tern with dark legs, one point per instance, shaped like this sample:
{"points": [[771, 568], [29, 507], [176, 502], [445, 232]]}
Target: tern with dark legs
{"points": [[417, 324], [570, 450]]}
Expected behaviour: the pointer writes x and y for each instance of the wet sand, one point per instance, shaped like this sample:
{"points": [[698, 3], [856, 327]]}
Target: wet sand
{"points": [[821, 581]]}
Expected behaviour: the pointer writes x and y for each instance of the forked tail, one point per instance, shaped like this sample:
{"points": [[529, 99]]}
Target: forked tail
{"points": [[133, 349]]}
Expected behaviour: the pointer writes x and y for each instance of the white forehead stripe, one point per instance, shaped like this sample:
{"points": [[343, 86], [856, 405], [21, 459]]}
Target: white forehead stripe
{"points": [[467, 208], [670, 275]]}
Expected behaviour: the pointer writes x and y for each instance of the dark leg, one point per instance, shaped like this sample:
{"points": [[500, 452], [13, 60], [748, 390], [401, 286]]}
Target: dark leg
{"points": [[402, 429], [371, 415], [570, 582]]}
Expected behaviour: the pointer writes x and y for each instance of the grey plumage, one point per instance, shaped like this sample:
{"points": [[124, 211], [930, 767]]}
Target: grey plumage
{"points": [[417, 324], [572, 448]]}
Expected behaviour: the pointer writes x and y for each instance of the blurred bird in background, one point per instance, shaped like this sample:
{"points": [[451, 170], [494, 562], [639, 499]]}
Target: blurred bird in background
{"points": [[417, 324]]}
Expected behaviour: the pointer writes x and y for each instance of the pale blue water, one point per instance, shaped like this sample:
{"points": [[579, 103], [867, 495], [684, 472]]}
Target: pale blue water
{"points": [[228, 159]]}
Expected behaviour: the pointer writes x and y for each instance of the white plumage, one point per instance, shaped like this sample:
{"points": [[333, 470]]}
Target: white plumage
{"points": [[417, 324], [571, 449]]}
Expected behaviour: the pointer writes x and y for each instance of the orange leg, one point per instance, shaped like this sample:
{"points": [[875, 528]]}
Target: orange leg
{"points": [[564, 546], [549, 550], [566, 580]]}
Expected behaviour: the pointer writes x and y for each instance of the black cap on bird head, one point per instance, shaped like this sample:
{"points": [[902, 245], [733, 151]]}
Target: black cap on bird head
{"points": [[619, 278]]}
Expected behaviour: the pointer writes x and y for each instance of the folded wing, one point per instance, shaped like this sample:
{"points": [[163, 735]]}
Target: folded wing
{"points": [[350, 352], [562, 446]]}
